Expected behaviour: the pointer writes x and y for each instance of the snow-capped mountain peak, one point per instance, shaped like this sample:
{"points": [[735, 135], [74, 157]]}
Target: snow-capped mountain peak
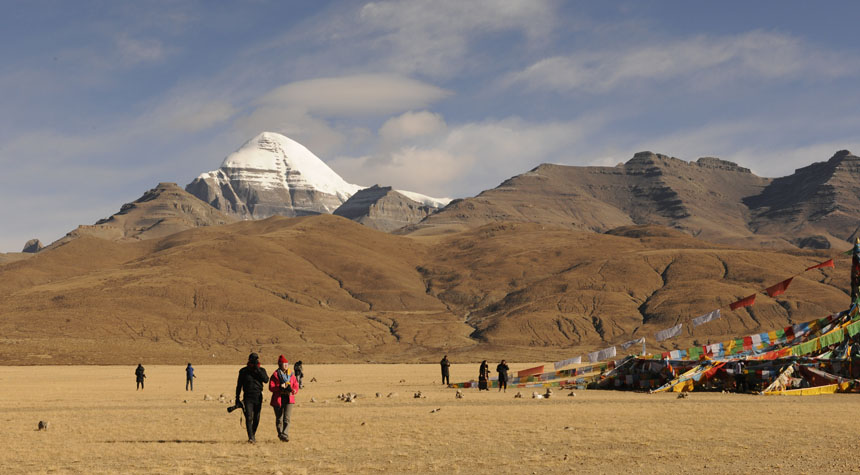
{"points": [[274, 175]]}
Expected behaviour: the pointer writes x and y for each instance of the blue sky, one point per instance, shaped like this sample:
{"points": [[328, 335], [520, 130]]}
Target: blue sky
{"points": [[100, 101]]}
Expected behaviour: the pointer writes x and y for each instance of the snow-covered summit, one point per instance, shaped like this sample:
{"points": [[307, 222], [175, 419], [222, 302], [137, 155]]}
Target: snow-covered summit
{"points": [[276, 161], [275, 175]]}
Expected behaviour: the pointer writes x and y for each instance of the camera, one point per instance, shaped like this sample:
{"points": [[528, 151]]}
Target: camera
{"points": [[238, 405]]}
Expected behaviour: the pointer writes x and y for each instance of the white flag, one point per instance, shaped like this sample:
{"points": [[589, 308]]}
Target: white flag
{"points": [[669, 332], [708, 317], [607, 353], [630, 343], [594, 357], [561, 364]]}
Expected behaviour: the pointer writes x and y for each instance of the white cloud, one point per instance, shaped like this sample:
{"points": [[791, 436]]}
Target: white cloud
{"points": [[410, 126], [464, 159], [358, 95], [702, 61]]}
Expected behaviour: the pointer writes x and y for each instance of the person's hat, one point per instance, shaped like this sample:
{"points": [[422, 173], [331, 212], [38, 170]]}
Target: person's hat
{"points": [[253, 358], [282, 359]]}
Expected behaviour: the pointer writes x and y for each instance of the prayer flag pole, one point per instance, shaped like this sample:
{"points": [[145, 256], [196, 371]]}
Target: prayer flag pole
{"points": [[855, 272]]}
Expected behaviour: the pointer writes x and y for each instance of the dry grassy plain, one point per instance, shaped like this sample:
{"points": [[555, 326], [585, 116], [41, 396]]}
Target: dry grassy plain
{"points": [[99, 424]]}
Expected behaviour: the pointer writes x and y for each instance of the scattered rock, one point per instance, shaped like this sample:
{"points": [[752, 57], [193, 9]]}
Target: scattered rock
{"points": [[207, 397], [435, 410], [314, 379], [571, 394], [378, 394], [402, 380], [518, 395], [683, 395], [313, 399], [459, 394], [568, 428], [364, 423], [185, 401], [418, 395], [392, 394], [33, 246], [43, 425]]}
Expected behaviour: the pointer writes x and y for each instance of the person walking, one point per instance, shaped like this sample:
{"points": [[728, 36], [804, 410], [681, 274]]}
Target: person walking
{"points": [[502, 369], [284, 387], [189, 377], [483, 376], [446, 365], [251, 380], [297, 370], [139, 376]]}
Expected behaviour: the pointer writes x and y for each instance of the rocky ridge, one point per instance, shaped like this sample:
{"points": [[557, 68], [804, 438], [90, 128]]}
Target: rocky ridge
{"points": [[383, 209]]}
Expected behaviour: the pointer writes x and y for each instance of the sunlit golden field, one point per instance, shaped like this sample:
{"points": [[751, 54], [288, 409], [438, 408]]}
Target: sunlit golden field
{"points": [[99, 423]]}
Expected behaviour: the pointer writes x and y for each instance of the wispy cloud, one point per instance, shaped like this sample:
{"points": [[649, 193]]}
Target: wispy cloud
{"points": [[701, 61]]}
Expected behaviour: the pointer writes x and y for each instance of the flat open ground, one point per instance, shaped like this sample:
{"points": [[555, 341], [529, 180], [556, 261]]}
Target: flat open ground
{"points": [[100, 424]]}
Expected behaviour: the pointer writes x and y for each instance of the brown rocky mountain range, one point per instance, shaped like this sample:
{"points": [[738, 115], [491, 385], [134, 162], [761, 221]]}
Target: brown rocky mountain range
{"points": [[716, 200], [325, 288], [161, 211], [383, 209]]}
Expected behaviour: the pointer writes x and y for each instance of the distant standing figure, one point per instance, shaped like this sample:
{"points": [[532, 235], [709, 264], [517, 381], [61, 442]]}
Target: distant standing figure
{"points": [[139, 376], [251, 380], [483, 376], [284, 387], [446, 365], [297, 370], [502, 368], [189, 377]]}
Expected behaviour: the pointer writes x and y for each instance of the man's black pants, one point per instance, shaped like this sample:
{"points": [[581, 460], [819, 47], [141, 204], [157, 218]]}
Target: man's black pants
{"points": [[252, 416]]}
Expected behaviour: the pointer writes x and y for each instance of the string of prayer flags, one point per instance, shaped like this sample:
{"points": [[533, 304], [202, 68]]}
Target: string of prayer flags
{"points": [[669, 332], [630, 343], [827, 263], [708, 317], [744, 302], [779, 288]]}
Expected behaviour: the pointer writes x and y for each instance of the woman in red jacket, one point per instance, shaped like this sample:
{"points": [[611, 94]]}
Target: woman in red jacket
{"points": [[284, 387]]}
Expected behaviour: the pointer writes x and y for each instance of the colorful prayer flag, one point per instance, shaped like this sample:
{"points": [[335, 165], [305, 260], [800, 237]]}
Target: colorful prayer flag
{"points": [[669, 332], [630, 343], [779, 288], [708, 317], [744, 302], [827, 263]]}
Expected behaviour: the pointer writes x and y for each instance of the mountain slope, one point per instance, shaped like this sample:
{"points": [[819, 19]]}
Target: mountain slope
{"points": [[324, 288], [819, 203], [161, 211], [383, 209]]}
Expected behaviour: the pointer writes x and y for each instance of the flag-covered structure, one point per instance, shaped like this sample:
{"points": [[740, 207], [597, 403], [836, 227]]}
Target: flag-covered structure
{"points": [[816, 357]]}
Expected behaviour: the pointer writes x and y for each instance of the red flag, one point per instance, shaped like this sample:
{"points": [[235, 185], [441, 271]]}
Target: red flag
{"points": [[779, 288], [827, 263], [744, 302]]}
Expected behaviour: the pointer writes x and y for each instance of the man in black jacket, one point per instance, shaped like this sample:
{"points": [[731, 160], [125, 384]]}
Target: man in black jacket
{"points": [[502, 368], [251, 380], [446, 374]]}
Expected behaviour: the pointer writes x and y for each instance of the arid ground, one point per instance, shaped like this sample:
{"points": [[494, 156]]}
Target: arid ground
{"points": [[100, 424]]}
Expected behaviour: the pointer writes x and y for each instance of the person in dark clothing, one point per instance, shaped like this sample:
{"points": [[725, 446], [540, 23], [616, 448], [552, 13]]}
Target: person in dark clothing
{"points": [[297, 371], [446, 375], [251, 380], [502, 369], [139, 376], [740, 378], [483, 376], [189, 377]]}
